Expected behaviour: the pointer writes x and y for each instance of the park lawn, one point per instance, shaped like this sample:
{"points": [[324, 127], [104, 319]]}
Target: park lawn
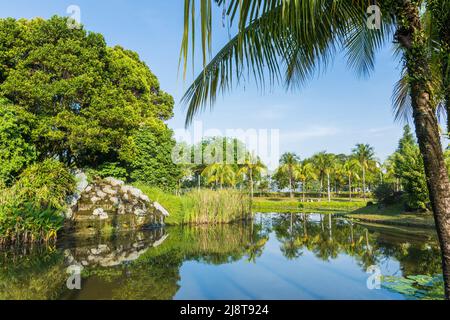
{"points": [[287, 205], [393, 215]]}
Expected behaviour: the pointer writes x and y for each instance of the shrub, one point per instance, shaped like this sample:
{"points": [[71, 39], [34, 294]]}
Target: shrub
{"points": [[28, 224], [386, 194], [45, 185], [110, 169]]}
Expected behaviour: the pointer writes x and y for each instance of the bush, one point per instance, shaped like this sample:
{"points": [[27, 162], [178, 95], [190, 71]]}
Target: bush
{"points": [[110, 169], [386, 194], [45, 185], [28, 224]]}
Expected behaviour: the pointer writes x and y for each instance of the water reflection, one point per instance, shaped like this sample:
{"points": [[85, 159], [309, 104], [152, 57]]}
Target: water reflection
{"points": [[290, 256]]}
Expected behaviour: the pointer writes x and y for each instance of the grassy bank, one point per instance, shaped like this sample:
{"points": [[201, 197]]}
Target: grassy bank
{"points": [[286, 205], [202, 206], [394, 215]]}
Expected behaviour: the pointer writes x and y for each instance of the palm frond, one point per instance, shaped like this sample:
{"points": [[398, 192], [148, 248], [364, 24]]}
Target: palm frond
{"points": [[401, 100], [298, 36]]}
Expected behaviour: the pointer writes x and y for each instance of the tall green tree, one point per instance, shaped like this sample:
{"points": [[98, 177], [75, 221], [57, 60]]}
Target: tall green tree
{"points": [[365, 155], [350, 169], [408, 165], [324, 163], [89, 104], [288, 162], [304, 172], [252, 169]]}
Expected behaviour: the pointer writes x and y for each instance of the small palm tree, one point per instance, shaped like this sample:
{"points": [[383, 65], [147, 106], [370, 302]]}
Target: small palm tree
{"points": [[324, 162], [220, 174], [304, 172], [288, 163], [252, 167], [365, 154], [350, 169]]}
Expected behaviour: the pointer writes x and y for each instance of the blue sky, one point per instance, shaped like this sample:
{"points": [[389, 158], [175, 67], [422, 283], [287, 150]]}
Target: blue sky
{"points": [[333, 112]]}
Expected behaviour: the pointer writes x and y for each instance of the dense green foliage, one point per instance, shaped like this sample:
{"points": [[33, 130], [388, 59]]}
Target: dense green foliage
{"points": [[30, 210], [408, 166], [45, 184], [335, 174], [68, 101], [16, 149], [75, 99]]}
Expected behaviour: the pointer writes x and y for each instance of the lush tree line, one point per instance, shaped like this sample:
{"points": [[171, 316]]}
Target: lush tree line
{"points": [[220, 162], [401, 178], [68, 101]]}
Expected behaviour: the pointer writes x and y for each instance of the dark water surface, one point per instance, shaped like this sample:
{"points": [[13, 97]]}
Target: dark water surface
{"points": [[279, 256]]}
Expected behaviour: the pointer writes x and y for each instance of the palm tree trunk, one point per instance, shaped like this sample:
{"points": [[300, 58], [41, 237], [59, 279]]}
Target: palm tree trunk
{"points": [[251, 184], [410, 35], [350, 186], [329, 187], [291, 194], [303, 189], [364, 182]]}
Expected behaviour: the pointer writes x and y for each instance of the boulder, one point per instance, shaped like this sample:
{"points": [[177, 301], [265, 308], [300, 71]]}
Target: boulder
{"points": [[111, 205]]}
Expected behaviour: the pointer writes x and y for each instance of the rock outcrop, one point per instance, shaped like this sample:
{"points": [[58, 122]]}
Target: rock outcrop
{"points": [[110, 205]]}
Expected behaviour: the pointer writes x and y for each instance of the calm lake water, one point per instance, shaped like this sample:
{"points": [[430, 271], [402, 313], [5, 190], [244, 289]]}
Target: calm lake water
{"points": [[279, 256]]}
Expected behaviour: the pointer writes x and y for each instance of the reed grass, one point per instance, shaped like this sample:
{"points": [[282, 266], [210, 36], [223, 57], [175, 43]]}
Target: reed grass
{"points": [[216, 207], [203, 206]]}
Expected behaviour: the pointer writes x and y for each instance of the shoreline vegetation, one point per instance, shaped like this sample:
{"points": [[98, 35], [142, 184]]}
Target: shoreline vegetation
{"points": [[202, 206]]}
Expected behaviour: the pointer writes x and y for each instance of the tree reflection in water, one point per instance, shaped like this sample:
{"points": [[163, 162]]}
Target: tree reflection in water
{"points": [[146, 265]]}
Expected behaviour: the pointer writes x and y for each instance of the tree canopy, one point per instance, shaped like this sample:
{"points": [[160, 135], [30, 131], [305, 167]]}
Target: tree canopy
{"points": [[77, 100]]}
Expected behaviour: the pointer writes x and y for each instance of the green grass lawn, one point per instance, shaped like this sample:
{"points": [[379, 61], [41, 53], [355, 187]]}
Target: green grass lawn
{"points": [[283, 204], [357, 209], [394, 215]]}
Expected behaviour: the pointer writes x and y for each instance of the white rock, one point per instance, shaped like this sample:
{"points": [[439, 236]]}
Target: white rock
{"points": [[140, 212], [114, 200], [160, 209], [109, 190], [100, 213], [82, 181], [144, 198], [114, 182], [101, 194]]}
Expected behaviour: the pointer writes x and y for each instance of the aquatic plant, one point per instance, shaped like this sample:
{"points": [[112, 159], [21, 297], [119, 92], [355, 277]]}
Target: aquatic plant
{"points": [[421, 287]]}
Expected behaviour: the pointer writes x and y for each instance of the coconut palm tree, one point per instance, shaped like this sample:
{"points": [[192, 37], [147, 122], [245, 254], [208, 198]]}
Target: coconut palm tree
{"points": [[350, 169], [252, 167], [304, 172], [288, 163], [220, 174], [291, 40], [365, 155], [324, 163]]}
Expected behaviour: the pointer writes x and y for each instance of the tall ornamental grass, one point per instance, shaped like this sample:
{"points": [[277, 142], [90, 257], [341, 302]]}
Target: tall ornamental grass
{"points": [[221, 206]]}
